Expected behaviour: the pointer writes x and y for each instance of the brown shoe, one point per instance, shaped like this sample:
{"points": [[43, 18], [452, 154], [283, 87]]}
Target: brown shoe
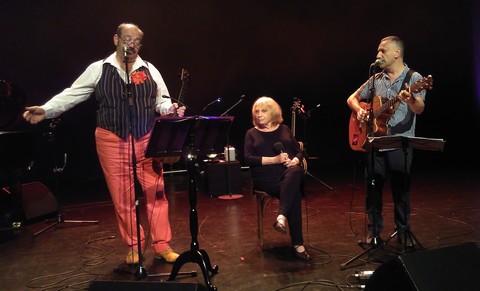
{"points": [[132, 257], [168, 255]]}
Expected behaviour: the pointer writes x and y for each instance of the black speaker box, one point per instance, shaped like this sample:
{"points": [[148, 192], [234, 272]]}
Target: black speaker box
{"points": [[217, 182], [38, 201], [450, 268], [143, 286]]}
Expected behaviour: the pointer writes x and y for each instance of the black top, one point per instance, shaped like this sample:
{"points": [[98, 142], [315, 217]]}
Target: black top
{"points": [[260, 144]]}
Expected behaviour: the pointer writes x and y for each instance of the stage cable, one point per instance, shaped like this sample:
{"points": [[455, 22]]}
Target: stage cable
{"points": [[80, 277]]}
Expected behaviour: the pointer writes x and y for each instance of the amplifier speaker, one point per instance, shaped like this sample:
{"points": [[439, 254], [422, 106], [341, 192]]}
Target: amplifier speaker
{"points": [[217, 182], [450, 268], [143, 286], [38, 201]]}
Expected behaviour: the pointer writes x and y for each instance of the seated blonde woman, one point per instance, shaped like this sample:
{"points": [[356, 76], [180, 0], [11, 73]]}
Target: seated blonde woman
{"points": [[274, 156]]}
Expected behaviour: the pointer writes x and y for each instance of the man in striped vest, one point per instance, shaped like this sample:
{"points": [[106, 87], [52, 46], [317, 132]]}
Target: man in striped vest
{"points": [[130, 93]]}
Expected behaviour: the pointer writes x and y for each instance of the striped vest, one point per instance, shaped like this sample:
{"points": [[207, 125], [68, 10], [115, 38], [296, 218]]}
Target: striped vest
{"points": [[113, 112]]}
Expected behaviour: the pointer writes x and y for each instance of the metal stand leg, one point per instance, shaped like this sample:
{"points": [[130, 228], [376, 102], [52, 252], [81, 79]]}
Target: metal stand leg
{"points": [[318, 180], [57, 171], [60, 220]]}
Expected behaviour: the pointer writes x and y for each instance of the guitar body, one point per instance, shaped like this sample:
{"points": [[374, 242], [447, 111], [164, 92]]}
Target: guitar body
{"points": [[358, 131], [380, 121], [303, 162]]}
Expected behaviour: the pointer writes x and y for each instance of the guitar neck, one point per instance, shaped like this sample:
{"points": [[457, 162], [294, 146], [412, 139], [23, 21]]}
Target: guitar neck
{"points": [[292, 129], [420, 85], [385, 106]]}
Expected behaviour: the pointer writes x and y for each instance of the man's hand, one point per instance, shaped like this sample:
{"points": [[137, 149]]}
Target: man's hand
{"points": [[363, 115], [406, 96], [175, 109], [34, 114]]}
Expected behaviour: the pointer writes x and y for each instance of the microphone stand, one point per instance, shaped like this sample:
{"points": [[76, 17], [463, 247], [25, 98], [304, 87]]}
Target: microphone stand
{"points": [[218, 100], [230, 195], [233, 106], [141, 272], [57, 171], [376, 243], [306, 116]]}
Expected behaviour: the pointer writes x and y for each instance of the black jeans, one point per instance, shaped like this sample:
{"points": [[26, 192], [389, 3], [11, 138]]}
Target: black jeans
{"points": [[289, 189], [388, 164]]}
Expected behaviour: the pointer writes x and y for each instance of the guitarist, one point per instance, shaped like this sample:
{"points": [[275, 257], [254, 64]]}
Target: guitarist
{"points": [[393, 81]]}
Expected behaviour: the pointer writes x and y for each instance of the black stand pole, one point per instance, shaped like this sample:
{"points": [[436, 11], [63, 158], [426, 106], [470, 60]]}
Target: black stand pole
{"points": [[230, 195], [408, 234], [141, 272], [57, 171], [375, 242], [205, 135], [305, 117], [195, 254]]}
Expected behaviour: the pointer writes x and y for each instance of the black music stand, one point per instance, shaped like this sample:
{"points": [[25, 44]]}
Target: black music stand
{"points": [[206, 135], [168, 139], [405, 142], [398, 142]]}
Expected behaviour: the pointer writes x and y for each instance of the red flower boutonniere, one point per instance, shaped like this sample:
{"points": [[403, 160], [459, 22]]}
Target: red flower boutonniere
{"points": [[138, 77]]}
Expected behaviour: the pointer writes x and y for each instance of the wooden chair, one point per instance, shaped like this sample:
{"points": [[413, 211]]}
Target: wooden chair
{"points": [[262, 200]]}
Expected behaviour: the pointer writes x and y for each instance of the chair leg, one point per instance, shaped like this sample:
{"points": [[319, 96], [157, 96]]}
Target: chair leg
{"points": [[260, 215]]}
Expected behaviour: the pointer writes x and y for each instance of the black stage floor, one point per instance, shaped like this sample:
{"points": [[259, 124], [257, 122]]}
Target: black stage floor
{"points": [[69, 256]]}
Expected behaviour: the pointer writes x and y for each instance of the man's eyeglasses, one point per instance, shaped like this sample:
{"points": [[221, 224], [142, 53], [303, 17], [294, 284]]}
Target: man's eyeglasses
{"points": [[128, 41]]}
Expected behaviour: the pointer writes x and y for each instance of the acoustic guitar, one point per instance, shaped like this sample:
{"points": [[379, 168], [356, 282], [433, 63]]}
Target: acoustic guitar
{"points": [[298, 106], [359, 131]]}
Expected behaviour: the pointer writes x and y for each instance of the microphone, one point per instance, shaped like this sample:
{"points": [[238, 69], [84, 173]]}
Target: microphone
{"points": [[228, 110], [126, 49], [279, 147], [218, 100], [377, 63]]}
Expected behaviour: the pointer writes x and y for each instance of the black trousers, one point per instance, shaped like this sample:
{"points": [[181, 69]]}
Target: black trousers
{"points": [[388, 164], [289, 189]]}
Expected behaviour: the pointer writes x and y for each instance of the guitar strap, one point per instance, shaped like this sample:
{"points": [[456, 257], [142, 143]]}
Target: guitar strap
{"points": [[407, 79]]}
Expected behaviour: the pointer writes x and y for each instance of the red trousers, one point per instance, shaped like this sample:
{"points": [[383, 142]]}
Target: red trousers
{"points": [[115, 157]]}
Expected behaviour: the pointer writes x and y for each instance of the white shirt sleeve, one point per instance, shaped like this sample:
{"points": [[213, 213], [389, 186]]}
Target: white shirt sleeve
{"points": [[84, 86], [78, 92], [162, 104]]}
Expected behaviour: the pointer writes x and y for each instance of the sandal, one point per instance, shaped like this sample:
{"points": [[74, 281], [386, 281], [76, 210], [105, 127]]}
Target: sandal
{"points": [[279, 224]]}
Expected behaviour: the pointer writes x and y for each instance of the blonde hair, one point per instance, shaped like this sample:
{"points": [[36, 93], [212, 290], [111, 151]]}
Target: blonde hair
{"points": [[272, 107]]}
